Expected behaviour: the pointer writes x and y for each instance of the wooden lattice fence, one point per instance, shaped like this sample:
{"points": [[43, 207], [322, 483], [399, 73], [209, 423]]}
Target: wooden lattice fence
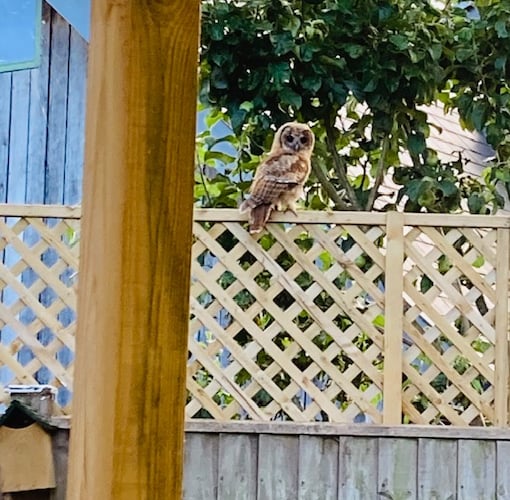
{"points": [[39, 251], [340, 317], [350, 317]]}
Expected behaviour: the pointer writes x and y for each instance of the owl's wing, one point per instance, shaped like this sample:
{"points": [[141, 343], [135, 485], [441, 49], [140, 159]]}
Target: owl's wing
{"points": [[276, 176]]}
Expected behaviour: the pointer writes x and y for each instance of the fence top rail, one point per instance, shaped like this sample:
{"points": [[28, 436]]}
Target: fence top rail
{"points": [[201, 426], [43, 211], [329, 429], [365, 218], [303, 217]]}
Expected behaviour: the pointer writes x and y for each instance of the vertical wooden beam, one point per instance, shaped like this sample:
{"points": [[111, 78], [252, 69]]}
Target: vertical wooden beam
{"points": [[128, 413], [501, 376], [394, 324]]}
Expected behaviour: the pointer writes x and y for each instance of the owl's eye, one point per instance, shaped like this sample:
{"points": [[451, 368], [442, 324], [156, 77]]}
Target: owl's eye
{"points": [[290, 138], [304, 140]]}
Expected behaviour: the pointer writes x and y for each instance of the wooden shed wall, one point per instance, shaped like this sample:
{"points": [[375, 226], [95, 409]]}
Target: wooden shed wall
{"points": [[42, 117]]}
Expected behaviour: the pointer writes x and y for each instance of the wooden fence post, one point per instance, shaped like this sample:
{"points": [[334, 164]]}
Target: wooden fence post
{"points": [[128, 409], [394, 324], [501, 376]]}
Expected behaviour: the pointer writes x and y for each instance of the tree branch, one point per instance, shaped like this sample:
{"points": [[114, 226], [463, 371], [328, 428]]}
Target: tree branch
{"points": [[340, 166], [379, 176], [329, 188]]}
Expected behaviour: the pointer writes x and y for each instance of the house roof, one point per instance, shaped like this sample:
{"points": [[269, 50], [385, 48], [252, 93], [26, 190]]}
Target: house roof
{"points": [[19, 415]]}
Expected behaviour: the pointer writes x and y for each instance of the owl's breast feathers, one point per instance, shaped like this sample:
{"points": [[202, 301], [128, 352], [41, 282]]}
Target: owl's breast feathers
{"points": [[279, 178], [278, 174]]}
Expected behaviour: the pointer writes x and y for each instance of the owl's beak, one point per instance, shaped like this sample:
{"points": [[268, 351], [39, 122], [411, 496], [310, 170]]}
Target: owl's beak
{"points": [[295, 146]]}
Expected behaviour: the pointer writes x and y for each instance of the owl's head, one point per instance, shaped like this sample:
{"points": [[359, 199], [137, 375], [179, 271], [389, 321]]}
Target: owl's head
{"points": [[293, 137]]}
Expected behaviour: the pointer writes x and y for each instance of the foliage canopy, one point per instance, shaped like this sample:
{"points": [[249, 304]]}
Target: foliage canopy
{"points": [[361, 72]]}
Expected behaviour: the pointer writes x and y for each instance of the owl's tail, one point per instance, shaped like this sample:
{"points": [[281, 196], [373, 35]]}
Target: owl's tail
{"points": [[259, 214]]}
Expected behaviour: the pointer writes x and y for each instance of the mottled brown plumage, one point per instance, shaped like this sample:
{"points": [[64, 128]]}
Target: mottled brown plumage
{"points": [[279, 179]]}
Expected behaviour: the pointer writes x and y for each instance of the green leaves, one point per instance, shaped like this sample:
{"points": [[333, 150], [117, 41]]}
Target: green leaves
{"points": [[416, 143], [401, 42], [357, 71]]}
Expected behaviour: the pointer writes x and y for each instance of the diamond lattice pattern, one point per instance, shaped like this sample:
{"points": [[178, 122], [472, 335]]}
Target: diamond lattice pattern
{"points": [[38, 269], [290, 325]]}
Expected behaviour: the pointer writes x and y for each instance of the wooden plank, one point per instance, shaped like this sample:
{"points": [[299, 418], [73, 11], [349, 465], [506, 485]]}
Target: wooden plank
{"points": [[357, 468], [41, 211], [237, 467], [502, 467], [456, 220], [393, 319], [397, 468], [17, 163], [476, 467], [278, 467], [201, 467], [57, 110], [38, 125], [18, 137], [26, 459], [5, 120], [134, 280], [361, 218], [304, 216], [60, 448], [325, 428], [501, 375], [437, 469], [75, 131], [318, 468]]}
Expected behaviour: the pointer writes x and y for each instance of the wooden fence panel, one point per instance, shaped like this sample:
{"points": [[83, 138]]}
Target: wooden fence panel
{"points": [[438, 481], [318, 468], [476, 470], [201, 473], [357, 473], [237, 467], [338, 317], [345, 317], [375, 462], [397, 468], [277, 450], [31, 307]]}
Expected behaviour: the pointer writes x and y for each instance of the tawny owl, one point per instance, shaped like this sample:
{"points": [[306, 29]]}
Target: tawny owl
{"points": [[279, 179]]}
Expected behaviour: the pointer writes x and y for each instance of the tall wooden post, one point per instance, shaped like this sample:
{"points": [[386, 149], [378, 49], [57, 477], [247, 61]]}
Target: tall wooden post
{"points": [[128, 409]]}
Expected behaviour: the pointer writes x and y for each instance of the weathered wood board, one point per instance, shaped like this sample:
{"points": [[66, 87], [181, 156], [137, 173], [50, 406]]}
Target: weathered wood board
{"points": [[402, 463]]}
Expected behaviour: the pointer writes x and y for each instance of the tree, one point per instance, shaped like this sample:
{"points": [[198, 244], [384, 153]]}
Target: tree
{"points": [[359, 72]]}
